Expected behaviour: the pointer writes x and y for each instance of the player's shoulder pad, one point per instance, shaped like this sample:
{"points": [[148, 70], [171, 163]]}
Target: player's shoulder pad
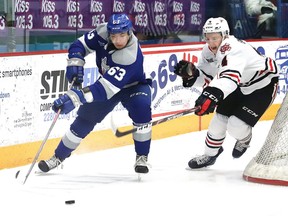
{"points": [[101, 30], [230, 46], [127, 55]]}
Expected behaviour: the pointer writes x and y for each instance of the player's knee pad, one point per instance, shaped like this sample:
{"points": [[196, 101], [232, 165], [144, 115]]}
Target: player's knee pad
{"points": [[139, 104], [70, 140], [218, 125], [238, 128], [143, 133], [140, 112], [81, 127]]}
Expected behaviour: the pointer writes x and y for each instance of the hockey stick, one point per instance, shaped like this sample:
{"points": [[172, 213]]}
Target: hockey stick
{"points": [[42, 145], [119, 133], [43, 142]]}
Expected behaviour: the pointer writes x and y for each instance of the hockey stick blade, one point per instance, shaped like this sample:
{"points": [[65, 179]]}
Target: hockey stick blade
{"points": [[119, 133]]}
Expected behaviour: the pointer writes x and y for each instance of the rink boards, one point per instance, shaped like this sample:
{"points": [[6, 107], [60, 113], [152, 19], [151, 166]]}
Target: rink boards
{"points": [[30, 82]]}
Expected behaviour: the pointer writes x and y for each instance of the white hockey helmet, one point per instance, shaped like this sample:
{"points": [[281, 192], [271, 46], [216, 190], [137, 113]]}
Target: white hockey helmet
{"points": [[214, 25]]}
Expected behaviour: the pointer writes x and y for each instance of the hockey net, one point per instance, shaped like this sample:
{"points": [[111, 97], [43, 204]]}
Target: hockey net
{"points": [[270, 165]]}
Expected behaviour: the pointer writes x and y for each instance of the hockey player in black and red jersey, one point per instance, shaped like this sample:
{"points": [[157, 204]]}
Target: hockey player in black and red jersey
{"points": [[120, 62], [238, 82]]}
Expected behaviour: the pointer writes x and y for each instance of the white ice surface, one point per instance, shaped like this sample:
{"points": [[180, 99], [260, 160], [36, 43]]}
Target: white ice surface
{"points": [[104, 183]]}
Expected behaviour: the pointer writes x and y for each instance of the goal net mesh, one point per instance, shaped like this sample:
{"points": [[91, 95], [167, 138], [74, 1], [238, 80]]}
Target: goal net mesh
{"points": [[270, 165]]}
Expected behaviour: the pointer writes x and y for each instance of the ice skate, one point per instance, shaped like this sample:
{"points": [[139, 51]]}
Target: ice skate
{"points": [[141, 165], [241, 146], [204, 160], [47, 165]]}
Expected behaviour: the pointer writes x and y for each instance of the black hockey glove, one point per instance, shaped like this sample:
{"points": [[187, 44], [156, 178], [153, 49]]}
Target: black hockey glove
{"points": [[188, 82], [187, 71], [208, 100]]}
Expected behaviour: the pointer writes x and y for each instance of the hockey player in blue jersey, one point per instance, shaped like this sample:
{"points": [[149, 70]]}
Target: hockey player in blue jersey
{"points": [[120, 62]]}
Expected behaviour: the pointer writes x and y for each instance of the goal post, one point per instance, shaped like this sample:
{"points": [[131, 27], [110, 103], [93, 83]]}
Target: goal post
{"points": [[270, 165]]}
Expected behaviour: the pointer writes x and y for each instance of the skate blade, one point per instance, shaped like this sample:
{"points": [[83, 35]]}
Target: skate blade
{"points": [[139, 177]]}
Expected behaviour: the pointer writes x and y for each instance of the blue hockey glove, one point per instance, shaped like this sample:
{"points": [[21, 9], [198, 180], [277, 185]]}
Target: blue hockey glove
{"points": [[69, 101], [208, 100], [75, 68]]}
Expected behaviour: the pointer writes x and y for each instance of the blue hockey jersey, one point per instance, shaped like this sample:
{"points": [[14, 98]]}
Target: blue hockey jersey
{"points": [[119, 68]]}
